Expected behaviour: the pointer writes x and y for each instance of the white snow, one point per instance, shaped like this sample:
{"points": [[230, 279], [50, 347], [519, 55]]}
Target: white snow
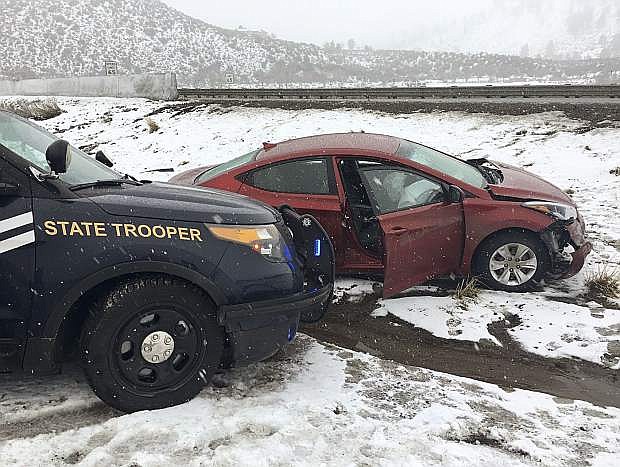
{"points": [[444, 317], [547, 327], [316, 405], [326, 406]]}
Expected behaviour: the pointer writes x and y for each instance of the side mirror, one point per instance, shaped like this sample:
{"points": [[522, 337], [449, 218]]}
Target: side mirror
{"points": [[455, 194], [58, 155], [101, 157], [8, 190]]}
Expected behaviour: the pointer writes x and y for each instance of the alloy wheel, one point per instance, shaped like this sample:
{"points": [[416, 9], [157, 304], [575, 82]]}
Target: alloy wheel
{"points": [[513, 264]]}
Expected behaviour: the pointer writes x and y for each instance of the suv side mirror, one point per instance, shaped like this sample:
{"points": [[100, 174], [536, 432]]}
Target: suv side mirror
{"points": [[455, 194], [58, 155], [8, 190], [105, 160]]}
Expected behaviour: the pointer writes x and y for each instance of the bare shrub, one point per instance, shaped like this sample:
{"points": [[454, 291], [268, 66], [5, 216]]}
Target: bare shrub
{"points": [[603, 283], [467, 289], [35, 109]]}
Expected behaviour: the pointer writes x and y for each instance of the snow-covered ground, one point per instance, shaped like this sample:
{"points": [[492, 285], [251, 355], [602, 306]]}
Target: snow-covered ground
{"points": [[548, 144], [313, 406], [547, 327], [322, 405]]}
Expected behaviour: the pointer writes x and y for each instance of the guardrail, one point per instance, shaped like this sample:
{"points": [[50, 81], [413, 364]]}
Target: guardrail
{"points": [[453, 92]]}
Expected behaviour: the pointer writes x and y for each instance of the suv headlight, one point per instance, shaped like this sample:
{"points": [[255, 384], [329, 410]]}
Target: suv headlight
{"points": [[559, 211], [264, 240]]}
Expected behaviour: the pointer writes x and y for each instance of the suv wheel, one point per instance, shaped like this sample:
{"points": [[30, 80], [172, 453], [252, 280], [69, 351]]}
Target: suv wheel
{"points": [[512, 261], [151, 342]]}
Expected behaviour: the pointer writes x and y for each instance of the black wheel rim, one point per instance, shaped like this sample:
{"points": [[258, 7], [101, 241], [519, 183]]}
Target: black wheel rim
{"points": [[144, 377]]}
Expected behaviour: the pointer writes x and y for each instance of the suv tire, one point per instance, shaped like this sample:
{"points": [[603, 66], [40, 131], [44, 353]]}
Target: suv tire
{"points": [[151, 342]]}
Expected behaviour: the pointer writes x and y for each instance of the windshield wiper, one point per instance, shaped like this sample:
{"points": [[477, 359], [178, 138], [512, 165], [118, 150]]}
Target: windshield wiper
{"points": [[104, 183]]}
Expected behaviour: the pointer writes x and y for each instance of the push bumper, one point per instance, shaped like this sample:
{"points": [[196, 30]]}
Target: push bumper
{"points": [[258, 330]]}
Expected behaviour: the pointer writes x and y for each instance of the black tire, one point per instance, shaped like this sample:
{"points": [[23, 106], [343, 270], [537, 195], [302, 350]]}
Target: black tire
{"points": [[121, 325], [482, 261]]}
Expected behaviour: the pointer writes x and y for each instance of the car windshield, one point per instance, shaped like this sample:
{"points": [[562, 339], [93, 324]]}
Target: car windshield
{"points": [[443, 163], [226, 166], [30, 142]]}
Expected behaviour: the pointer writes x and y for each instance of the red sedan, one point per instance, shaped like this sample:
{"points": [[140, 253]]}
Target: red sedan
{"points": [[412, 212]]}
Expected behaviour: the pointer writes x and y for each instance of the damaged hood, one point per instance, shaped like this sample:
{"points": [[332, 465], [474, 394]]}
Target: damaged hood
{"points": [[521, 184]]}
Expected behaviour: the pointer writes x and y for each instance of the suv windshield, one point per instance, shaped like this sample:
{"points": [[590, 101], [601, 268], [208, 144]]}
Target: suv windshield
{"points": [[226, 166], [441, 162], [30, 142]]}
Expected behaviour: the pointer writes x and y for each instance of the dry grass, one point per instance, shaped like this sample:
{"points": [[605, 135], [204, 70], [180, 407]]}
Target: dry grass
{"points": [[152, 124], [35, 109], [603, 283], [467, 289]]}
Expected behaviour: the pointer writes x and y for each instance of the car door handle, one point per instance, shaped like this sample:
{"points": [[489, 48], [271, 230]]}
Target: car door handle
{"points": [[398, 230]]}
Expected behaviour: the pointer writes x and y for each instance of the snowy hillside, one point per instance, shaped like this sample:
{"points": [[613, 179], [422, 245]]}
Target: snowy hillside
{"points": [[45, 38]]}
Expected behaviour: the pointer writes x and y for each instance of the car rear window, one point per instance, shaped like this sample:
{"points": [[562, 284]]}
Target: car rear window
{"points": [[226, 166], [441, 162], [307, 176]]}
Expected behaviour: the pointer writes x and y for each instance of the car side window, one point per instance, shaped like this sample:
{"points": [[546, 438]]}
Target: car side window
{"points": [[305, 176], [394, 189]]}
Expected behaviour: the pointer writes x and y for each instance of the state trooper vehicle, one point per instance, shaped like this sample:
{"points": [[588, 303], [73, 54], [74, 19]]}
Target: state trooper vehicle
{"points": [[153, 286]]}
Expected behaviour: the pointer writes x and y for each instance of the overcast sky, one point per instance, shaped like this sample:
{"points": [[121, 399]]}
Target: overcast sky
{"points": [[367, 21]]}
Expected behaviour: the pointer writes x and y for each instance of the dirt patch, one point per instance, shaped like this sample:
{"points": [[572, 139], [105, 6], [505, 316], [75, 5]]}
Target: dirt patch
{"points": [[483, 437], [351, 325]]}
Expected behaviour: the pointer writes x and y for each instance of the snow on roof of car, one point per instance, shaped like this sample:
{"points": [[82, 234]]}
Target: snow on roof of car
{"points": [[358, 140]]}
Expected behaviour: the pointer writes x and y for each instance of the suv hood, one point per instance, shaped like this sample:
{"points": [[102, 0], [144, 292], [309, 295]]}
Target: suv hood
{"points": [[519, 183], [165, 201]]}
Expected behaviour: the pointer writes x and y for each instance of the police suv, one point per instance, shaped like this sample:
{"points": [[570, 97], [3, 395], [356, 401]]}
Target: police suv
{"points": [[153, 286]]}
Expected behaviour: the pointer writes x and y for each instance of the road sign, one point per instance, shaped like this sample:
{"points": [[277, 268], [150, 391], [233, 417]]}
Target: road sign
{"points": [[111, 68], [230, 78]]}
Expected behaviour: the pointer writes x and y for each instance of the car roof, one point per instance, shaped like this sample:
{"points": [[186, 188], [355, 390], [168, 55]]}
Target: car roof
{"points": [[335, 141]]}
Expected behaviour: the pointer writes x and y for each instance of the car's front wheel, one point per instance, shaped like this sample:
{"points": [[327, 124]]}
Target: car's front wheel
{"points": [[151, 342], [514, 261]]}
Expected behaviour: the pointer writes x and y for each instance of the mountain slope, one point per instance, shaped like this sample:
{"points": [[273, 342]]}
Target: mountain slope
{"points": [[43, 38]]}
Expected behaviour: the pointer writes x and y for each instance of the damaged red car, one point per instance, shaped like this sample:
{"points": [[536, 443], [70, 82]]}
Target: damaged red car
{"points": [[413, 213]]}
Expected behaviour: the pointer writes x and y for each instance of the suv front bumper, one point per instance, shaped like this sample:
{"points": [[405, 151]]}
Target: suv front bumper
{"points": [[258, 330]]}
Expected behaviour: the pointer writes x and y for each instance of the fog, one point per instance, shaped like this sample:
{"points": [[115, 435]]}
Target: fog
{"points": [[368, 22], [526, 27]]}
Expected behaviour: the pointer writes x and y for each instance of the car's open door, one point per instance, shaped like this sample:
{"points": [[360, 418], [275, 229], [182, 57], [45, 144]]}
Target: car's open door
{"points": [[422, 222], [421, 243]]}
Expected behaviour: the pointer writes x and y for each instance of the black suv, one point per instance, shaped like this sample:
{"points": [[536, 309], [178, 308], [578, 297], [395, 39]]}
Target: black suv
{"points": [[153, 286]]}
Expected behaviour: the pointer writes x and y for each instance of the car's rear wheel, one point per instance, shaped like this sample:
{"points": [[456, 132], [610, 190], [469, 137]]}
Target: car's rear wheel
{"points": [[514, 261], [151, 342]]}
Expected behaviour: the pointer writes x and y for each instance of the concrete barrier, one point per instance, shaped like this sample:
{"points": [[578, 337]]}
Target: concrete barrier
{"points": [[157, 86]]}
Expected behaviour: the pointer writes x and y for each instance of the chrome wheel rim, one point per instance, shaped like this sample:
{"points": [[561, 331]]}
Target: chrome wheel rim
{"points": [[513, 264]]}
